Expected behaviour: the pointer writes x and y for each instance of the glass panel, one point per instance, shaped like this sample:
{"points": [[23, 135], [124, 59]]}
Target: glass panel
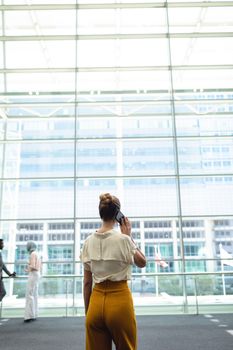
{"points": [[122, 21], [147, 126], [116, 80], [128, 127], [40, 22], [124, 105], [101, 112], [210, 195], [1, 159], [22, 2], [37, 128], [94, 158], [198, 80], [2, 129], [39, 105], [2, 87], [39, 160], [34, 83], [33, 199], [148, 157], [155, 196], [111, 53], [113, 2], [206, 107], [200, 19], [40, 54], [197, 51], [205, 156], [1, 51], [96, 128], [213, 125]]}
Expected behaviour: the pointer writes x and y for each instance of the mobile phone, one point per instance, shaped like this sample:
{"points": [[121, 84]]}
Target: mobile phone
{"points": [[119, 217]]}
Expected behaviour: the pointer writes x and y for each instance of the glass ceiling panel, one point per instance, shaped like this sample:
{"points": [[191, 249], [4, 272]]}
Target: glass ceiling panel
{"points": [[40, 54], [203, 79], [181, 1], [122, 21], [34, 22], [1, 27], [2, 128], [200, 19], [34, 83], [123, 80], [1, 55], [35, 2], [2, 83], [198, 51], [136, 52], [114, 2]]}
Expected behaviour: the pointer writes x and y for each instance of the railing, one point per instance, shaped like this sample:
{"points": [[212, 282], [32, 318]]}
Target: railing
{"points": [[153, 293]]}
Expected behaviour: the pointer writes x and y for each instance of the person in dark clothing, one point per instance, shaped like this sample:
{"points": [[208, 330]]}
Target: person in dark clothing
{"points": [[3, 268]]}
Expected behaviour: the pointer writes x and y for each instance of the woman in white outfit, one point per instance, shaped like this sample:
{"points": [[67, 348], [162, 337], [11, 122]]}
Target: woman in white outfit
{"points": [[33, 269]]}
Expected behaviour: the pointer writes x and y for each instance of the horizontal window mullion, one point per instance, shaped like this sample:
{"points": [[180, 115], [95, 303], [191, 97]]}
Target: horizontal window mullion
{"points": [[204, 174], [120, 177], [112, 92], [72, 178], [112, 139], [186, 4], [6, 38], [100, 6], [113, 103], [91, 218], [86, 139], [109, 116], [115, 68]]}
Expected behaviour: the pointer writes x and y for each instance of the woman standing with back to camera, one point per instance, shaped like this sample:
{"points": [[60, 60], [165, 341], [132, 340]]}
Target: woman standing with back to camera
{"points": [[107, 256]]}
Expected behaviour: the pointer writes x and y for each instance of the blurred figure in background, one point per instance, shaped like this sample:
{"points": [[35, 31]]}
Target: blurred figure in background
{"points": [[3, 268], [34, 270]]}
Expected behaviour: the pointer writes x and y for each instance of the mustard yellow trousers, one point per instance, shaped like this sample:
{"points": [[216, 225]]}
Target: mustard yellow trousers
{"points": [[111, 318]]}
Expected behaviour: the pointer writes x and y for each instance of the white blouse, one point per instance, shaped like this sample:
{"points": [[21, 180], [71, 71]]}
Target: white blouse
{"points": [[34, 262], [108, 256]]}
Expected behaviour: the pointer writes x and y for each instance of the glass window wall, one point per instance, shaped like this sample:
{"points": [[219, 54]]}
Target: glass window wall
{"points": [[131, 98]]}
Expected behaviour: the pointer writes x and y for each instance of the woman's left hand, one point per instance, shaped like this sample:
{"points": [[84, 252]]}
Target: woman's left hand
{"points": [[126, 227]]}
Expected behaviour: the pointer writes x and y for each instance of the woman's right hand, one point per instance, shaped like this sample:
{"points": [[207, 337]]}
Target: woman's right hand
{"points": [[126, 227]]}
